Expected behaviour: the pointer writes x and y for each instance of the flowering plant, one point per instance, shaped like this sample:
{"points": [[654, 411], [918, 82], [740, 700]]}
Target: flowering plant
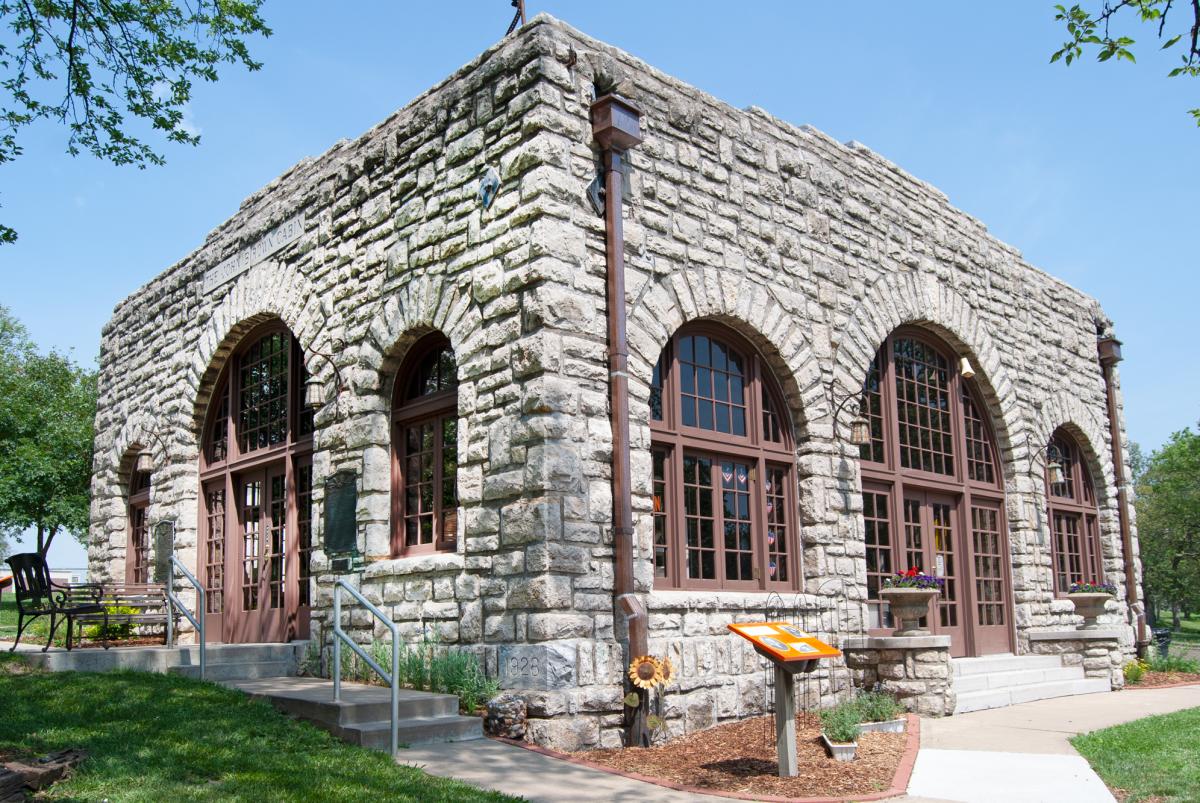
{"points": [[913, 578], [1088, 587]]}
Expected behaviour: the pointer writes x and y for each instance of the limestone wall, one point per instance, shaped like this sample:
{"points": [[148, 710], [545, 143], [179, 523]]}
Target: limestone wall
{"points": [[812, 249]]}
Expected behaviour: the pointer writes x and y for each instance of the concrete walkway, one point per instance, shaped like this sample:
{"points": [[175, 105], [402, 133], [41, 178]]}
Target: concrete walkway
{"points": [[1021, 753]]}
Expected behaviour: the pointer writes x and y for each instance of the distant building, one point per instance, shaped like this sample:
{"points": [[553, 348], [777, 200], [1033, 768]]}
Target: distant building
{"points": [[454, 348]]}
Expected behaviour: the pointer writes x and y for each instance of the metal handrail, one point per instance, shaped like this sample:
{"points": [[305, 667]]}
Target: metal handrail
{"points": [[340, 635], [174, 601]]}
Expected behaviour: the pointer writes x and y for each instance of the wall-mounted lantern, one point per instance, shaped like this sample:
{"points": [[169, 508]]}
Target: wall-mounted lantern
{"points": [[314, 388]]}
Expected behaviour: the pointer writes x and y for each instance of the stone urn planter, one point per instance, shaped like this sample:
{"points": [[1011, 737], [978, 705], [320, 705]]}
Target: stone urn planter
{"points": [[908, 605], [1089, 605]]}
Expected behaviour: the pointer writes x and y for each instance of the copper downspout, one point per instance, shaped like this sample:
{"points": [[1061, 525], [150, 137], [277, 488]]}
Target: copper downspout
{"points": [[616, 128], [1110, 355]]}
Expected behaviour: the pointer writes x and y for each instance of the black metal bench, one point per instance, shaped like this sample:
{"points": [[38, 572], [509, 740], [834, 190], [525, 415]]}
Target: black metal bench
{"points": [[38, 595]]}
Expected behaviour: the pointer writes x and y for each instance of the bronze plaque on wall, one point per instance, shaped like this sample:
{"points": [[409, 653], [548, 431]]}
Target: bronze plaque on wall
{"points": [[341, 501]]}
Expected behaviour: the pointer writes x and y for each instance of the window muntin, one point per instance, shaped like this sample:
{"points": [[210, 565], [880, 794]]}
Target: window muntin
{"points": [[923, 417], [878, 539], [425, 450], [214, 556], [263, 393], [721, 462], [1074, 517], [872, 410], [304, 529]]}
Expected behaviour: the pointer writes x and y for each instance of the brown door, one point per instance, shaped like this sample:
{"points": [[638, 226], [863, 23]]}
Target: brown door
{"points": [[990, 597], [257, 558], [931, 544]]}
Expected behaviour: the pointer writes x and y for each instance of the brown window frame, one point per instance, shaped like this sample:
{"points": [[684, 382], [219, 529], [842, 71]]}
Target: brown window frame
{"points": [[1076, 501], [217, 472], [675, 441], [137, 550], [898, 484], [435, 409]]}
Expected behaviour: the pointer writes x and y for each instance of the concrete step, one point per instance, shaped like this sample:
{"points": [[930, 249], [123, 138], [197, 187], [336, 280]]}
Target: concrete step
{"points": [[240, 670], [312, 699], [1012, 695], [417, 730], [1020, 677], [987, 664], [363, 714], [166, 659]]}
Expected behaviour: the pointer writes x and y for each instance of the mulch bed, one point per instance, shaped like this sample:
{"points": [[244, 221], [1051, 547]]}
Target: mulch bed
{"points": [[739, 757], [1152, 680]]}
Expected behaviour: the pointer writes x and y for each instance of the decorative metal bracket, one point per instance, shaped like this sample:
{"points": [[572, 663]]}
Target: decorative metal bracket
{"points": [[314, 388], [1054, 460], [595, 193]]}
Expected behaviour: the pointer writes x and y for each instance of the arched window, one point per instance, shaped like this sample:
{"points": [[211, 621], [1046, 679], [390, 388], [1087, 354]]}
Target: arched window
{"points": [[256, 492], [932, 493], [425, 449], [723, 467], [1074, 517], [137, 554]]}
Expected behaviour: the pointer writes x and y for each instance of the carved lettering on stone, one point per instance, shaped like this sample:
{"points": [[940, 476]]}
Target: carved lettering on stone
{"points": [[287, 232], [538, 666]]}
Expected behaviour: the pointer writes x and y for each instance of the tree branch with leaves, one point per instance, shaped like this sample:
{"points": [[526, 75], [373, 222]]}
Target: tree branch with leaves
{"points": [[1095, 31], [112, 71]]}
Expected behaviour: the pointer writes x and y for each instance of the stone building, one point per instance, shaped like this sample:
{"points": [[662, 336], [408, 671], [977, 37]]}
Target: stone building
{"points": [[415, 323]]}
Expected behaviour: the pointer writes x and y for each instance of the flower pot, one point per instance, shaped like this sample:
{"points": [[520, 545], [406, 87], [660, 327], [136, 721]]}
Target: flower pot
{"points": [[1089, 605], [840, 751], [908, 605], [887, 726]]}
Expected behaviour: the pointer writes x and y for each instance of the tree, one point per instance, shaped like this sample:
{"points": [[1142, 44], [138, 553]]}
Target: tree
{"points": [[107, 69], [1168, 514], [47, 409], [1088, 30]]}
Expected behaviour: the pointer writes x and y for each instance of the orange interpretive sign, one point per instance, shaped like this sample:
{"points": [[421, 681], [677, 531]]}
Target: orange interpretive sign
{"points": [[784, 641]]}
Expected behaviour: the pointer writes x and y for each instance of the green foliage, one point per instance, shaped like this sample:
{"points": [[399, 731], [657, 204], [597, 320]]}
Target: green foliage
{"points": [[109, 69], [426, 667], [153, 737], [47, 409], [1086, 30], [877, 706], [1173, 662], [1168, 519], [840, 723], [116, 629], [1151, 758], [1134, 671]]}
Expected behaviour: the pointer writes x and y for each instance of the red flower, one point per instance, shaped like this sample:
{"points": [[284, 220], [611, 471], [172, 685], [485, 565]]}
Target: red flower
{"points": [[913, 572]]}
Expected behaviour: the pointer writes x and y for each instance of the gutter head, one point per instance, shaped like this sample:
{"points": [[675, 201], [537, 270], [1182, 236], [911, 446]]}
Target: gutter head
{"points": [[616, 123]]}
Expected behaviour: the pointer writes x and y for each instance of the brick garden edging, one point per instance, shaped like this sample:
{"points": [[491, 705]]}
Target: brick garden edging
{"points": [[899, 785]]}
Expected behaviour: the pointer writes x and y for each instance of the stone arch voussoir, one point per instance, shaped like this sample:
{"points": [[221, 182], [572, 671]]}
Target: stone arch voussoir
{"points": [[899, 299], [764, 315], [263, 293], [1064, 410]]}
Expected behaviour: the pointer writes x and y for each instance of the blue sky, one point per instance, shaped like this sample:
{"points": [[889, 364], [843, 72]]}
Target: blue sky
{"points": [[1085, 169]]}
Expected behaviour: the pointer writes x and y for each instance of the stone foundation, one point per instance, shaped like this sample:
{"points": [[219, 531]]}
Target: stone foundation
{"points": [[1099, 652], [916, 669]]}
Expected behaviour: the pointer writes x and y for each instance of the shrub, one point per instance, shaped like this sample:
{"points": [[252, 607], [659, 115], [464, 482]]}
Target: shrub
{"points": [[840, 723], [1174, 663], [1134, 671], [877, 706], [116, 630]]}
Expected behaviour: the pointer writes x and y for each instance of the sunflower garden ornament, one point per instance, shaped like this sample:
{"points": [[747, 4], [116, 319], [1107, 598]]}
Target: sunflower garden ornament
{"points": [[645, 672]]}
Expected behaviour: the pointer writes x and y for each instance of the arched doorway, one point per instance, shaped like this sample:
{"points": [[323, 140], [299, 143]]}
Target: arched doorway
{"points": [[256, 493], [933, 494]]}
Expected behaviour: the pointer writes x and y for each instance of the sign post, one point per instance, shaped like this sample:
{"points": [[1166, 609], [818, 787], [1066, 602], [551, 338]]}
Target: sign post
{"points": [[791, 651]]}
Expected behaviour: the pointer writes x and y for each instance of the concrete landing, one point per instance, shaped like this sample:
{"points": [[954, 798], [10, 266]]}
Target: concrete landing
{"points": [[363, 715], [998, 681], [224, 661]]}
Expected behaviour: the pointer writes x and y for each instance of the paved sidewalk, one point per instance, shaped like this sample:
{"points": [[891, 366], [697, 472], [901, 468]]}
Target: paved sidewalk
{"points": [[1023, 753]]}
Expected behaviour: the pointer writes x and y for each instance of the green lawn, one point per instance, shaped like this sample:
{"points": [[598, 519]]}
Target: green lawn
{"points": [[8, 615], [1151, 757], [159, 737]]}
